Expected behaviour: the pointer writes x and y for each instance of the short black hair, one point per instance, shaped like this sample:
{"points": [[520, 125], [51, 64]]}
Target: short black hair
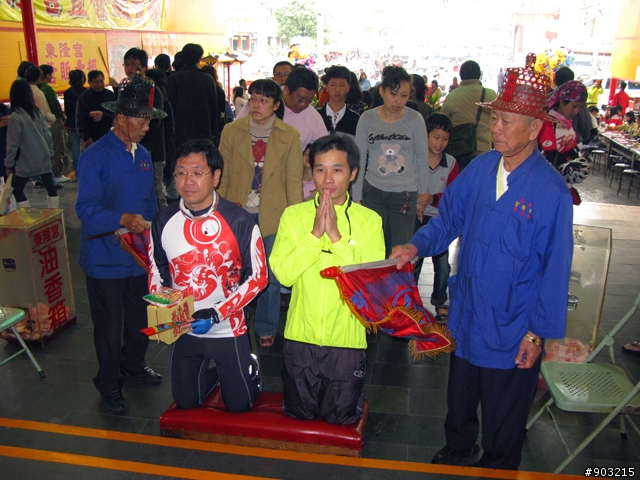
{"points": [[192, 53], [280, 64], [46, 69], [204, 146], [302, 78], [393, 76], [336, 142], [594, 109], [209, 70], [631, 116], [439, 120], [337, 72], [419, 87], [23, 67], [377, 98], [159, 77], [623, 85], [355, 92], [267, 88], [77, 77], [93, 74], [367, 98], [241, 81], [470, 70], [32, 74], [237, 92], [21, 96], [270, 89], [178, 61], [138, 54], [163, 62], [563, 75]]}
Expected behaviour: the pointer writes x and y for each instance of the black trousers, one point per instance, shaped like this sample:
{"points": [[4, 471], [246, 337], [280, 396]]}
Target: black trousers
{"points": [[19, 183], [119, 313], [441, 269], [192, 379], [505, 397], [325, 382]]}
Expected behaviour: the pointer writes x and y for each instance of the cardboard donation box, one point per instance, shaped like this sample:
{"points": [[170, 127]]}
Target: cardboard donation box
{"points": [[174, 314], [35, 274]]}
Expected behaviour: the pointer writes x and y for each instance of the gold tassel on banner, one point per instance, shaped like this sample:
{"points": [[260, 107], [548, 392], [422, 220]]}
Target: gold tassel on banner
{"points": [[124, 246]]}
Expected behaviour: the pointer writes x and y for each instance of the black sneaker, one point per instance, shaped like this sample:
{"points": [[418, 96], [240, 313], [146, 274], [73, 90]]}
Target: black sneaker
{"points": [[114, 401], [451, 456], [146, 375]]}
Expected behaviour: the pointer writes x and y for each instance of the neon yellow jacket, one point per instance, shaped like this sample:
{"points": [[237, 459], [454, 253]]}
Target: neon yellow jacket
{"points": [[317, 315]]}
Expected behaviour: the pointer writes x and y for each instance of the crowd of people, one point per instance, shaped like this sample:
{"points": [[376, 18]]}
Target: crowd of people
{"points": [[305, 173]]}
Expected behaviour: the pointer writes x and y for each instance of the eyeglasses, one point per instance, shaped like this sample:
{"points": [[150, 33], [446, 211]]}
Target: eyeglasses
{"points": [[282, 74], [198, 175], [263, 101], [303, 101]]}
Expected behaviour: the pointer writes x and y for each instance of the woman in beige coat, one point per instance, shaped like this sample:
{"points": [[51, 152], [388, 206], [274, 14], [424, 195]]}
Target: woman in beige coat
{"points": [[262, 172]]}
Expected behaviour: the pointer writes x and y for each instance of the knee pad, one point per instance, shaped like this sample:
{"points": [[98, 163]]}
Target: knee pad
{"points": [[185, 406], [254, 373]]}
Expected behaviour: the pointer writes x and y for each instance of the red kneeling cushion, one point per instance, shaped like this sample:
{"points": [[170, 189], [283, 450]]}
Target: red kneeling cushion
{"points": [[265, 420]]}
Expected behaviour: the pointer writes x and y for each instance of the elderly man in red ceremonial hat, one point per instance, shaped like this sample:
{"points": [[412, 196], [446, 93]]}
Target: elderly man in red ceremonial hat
{"points": [[514, 213], [116, 189]]}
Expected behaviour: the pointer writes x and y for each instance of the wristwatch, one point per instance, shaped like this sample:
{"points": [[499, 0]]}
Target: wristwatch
{"points": [[532, 339]]}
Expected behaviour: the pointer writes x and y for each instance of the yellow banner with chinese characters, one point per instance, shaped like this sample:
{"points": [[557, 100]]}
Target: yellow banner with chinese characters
{"points": [[107, 14], [73, 51]]}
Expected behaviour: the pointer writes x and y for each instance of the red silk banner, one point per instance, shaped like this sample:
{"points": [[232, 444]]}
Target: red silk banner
{"points": [[385, 298], [137, 244]]}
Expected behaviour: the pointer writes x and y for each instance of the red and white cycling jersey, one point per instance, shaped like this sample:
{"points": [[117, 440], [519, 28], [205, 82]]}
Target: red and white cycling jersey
{"points": [[218, 258]]}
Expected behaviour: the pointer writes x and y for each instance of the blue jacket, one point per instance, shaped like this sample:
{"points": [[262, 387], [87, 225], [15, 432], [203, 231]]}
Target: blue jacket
{"points": [[111, 183], [515, 257]]}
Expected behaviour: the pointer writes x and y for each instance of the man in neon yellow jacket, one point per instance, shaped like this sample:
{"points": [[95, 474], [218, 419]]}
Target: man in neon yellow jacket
{"points": [[324, 352]]}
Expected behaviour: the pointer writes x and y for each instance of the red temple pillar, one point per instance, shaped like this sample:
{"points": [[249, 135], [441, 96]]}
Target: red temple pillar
{"points": [[613, 85], [29, 28]]}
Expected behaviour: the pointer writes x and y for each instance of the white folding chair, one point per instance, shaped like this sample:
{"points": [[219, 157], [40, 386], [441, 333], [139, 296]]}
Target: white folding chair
{"points": [[592, 388]]}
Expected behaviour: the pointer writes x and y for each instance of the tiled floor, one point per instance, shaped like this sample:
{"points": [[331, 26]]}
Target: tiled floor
{"points": [[407, 398]]}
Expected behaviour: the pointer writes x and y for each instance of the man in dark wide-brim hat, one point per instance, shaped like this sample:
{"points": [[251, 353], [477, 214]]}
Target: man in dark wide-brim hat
{"points": [[116, 189], [514, 213]]}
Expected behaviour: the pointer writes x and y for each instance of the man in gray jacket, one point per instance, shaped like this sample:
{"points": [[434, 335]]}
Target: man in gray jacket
{"points": [[460, 106]]}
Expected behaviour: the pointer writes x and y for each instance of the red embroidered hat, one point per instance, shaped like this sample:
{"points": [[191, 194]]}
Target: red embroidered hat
{"points": [[524, 91]]}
